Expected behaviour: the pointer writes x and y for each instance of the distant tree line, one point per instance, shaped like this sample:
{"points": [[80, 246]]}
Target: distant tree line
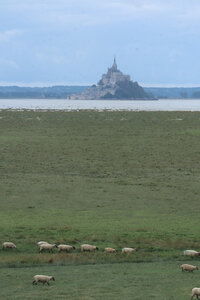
{"points": [[54, 92], [124, 90], [175, 93]]}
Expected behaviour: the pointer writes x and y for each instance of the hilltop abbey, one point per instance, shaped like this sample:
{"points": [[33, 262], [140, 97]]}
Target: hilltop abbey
{"points": [[113, 76], [113, 85]]}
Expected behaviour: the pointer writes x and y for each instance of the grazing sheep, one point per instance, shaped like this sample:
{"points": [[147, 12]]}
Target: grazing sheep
{"points": [[110, 250], [66, 248], [90, 248], [42, 242], [7, 245], [47, 246], [42, 278], [191, 253], [190, 268], [128, 250], [195, 292]]}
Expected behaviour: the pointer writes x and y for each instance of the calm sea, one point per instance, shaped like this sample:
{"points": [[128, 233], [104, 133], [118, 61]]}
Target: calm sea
{"points": [[57, 104]]}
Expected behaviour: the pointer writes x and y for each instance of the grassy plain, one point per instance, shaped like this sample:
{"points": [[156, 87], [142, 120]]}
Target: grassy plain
{"points": [[108, 178], [127, 281]]}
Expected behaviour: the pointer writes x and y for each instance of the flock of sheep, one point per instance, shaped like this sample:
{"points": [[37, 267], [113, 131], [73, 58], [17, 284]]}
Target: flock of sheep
{"points": [[191, 268], [45, 246]]}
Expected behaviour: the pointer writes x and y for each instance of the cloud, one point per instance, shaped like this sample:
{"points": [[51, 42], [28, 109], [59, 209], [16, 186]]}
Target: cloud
{"points": [[102, 12], [7, 35], [8, 63], [84, 12], [65, 14], [136, 9], [190, 15], [57, 59]]}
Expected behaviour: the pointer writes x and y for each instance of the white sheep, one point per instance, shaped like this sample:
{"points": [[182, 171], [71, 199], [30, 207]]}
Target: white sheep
{"points": [[195, 292], [66, 248], [7, 245], [190, 268], [87, 247], [191, 253], [42, 278], [110, 250], [42, 242], [128, 250], [47, 246]]}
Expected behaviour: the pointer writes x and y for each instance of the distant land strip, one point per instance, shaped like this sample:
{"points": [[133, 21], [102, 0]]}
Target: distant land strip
{"points": [[62, 92]]}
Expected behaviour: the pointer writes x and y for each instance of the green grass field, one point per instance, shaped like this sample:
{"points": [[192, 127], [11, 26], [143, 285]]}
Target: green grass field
{"points": [[108, 178], [136, 281]]}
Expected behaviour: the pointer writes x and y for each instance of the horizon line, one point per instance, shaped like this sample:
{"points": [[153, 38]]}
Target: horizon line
{"points": [[45, 84]]}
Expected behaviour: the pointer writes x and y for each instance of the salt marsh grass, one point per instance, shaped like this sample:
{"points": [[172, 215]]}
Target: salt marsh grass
{"points": [[75, 177]]}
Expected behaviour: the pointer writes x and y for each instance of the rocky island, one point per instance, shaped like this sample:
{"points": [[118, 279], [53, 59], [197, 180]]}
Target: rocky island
{"points": [[114, 85]]}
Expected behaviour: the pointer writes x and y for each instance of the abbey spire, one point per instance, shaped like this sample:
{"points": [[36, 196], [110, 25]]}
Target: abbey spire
{"points": [[114, 66]]}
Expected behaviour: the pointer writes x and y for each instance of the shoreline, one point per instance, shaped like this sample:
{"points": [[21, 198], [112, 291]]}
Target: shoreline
{"points": [[100, 105]]}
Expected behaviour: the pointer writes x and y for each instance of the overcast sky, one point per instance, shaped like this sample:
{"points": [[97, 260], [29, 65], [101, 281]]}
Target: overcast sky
{"points": [[50, 42]]}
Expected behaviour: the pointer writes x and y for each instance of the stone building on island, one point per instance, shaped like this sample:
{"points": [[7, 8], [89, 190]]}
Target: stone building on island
{"points": [[113, 76], [113, 85]]}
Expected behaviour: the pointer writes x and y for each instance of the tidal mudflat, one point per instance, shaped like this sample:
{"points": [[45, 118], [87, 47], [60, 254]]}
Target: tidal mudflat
{"points": [[99, 105]]}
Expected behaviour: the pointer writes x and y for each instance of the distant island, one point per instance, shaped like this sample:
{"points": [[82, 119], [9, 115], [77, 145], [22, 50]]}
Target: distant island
{"points": [[114, 85]]}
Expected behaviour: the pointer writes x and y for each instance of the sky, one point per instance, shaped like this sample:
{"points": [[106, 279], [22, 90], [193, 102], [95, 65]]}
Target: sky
{"points": [[70, 42]]}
